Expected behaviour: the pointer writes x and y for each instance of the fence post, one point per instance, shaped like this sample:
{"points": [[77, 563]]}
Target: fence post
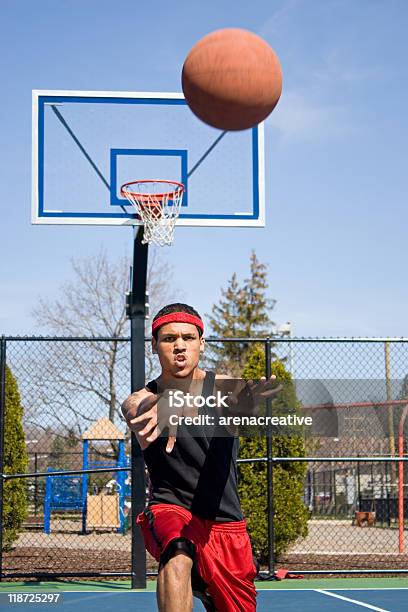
{"points": [[358, 484], [269, 454], [2, 424], [35, 484]]}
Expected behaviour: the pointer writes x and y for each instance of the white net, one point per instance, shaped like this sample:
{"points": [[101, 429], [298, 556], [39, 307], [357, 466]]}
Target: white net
{"points": [[158, 205]]}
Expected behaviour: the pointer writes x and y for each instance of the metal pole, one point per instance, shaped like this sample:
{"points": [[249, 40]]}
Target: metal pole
{"points": [[401, 480], [313, 481], [137, 359], [391, 436], [35, 484], [291, 358], [2, 425], [359, 485], [387, 483], [269, 478]]}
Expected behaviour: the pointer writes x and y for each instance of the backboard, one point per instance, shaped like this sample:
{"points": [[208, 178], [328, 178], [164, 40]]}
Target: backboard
{"points": [[87, 144]]}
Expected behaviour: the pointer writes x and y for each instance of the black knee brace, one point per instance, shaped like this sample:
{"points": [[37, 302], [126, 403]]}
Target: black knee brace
{"points": [[176, 545]]}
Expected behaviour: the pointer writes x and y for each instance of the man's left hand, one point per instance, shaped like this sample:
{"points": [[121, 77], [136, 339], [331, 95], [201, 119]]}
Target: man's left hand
{"points": [[247, 395]]}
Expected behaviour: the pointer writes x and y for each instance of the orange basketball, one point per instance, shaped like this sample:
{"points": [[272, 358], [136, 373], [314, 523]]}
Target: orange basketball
{"points": [[232, 79]]}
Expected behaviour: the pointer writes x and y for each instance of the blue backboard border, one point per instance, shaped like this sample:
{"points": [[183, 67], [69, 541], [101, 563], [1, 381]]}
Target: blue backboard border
{"points": [[40, 98]]}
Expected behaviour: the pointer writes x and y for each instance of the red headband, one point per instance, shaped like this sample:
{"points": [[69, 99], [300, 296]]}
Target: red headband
{"points": [[178, 317]]}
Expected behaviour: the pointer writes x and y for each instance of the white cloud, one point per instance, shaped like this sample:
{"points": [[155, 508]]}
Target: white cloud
{"points": [[280, 19], [299, 117], [325, 77], [337, 66]]}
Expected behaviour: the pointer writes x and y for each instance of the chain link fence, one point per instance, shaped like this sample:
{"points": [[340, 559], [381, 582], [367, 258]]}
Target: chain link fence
{"points": [[78, 523]]}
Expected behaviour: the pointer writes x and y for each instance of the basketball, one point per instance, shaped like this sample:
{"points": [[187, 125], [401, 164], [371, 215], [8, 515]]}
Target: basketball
{"points": [[232, 79]]}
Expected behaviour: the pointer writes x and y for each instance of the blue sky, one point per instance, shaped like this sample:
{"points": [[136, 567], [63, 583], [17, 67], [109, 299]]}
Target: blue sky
{"points": [[335, 241]]}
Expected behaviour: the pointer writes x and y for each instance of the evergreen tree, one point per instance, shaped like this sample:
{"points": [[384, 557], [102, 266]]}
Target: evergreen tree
{"points": [[15, 462], [256, 306], [242, 312], [290, 513]]}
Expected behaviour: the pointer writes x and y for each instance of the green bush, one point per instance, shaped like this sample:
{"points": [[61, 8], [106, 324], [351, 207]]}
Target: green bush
{"points": [[290, 513], [15, 461]]}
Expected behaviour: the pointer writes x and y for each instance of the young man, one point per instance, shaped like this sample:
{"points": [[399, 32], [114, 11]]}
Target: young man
{"points": [[193, 524]]}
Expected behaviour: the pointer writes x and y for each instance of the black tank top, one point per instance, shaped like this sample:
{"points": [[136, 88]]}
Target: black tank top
{"points": [[200, 473]]}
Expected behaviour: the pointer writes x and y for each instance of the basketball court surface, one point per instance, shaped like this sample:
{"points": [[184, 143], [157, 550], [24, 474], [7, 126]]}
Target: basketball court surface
{"points": [[334, 595]]}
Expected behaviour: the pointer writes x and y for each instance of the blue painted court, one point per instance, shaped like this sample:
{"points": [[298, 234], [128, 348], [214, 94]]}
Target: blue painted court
{"points": [[334, 595]]}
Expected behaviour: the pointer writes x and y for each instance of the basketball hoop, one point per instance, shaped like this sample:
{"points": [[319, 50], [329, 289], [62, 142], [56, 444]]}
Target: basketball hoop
{"points": [[158, 205]]}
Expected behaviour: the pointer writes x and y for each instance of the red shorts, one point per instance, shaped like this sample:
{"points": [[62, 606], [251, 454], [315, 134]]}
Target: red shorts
{"points": [[223, 554]]}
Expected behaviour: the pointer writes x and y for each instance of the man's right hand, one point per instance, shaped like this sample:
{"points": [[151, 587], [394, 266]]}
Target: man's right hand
{"points": [[145, 424]]}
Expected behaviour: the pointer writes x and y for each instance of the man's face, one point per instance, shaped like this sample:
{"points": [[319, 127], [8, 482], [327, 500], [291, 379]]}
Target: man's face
{"points": [[178, 346]]}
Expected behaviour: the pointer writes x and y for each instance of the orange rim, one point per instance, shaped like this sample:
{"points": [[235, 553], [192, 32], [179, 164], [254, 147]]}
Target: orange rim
{"points": [[146, 196]]}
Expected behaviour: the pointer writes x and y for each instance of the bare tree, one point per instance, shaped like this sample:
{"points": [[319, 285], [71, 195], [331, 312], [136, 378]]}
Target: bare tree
{"points": [[93, 303], [73, 382]]}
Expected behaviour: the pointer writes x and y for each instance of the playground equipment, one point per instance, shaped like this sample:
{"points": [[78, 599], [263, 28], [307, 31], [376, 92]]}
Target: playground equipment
{"points": [[69, 492]]}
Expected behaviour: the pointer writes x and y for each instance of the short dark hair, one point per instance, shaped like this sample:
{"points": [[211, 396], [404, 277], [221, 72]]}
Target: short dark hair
{"points": [[176, 307]]}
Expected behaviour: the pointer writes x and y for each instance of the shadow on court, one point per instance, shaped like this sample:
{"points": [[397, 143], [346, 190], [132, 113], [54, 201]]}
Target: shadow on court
{"points": [[307, 600]]}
